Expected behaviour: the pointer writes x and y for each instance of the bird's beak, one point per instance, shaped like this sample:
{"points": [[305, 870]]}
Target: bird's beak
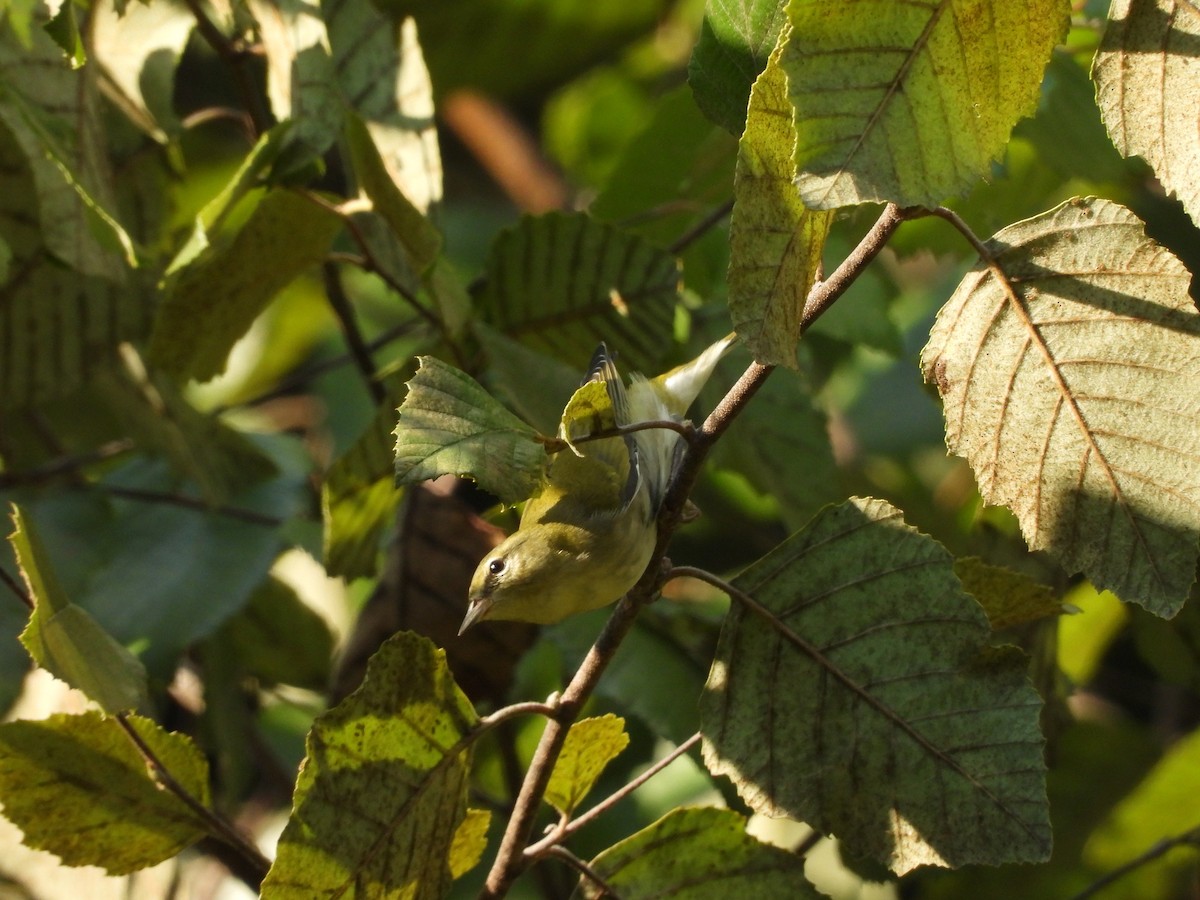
{"points": [[476, 611]]}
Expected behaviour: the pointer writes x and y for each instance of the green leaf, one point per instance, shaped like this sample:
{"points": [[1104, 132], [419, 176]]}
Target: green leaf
{"points": [[469, 842], [735, 41], [415, 232], [1158, 809], [699, 854], [1085, 637], [911, 102], [781, 446], [533, 385], [775, 242], [78, 787], [382, 793], [278, 639], [301, 80], [155, 574], [359, 499], [449, 425], [65, 640], [64, 30], [212, 301], [562, 282], [869, 704], [1078, 379], [591, 745], [1009, 598], [1147, 90]]}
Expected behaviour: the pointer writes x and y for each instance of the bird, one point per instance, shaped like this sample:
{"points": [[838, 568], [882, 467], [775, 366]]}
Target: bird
{"points": [[589, 532]]}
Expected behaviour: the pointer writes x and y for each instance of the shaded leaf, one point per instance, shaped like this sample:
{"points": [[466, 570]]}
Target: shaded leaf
{"points": [[911, 102], [775, 242], [533, 385], [157, 574], [1079, 380], [1148, 92], [735, 40], [562, 282], [871, 706], [278, 639], [699, 854], [78, 787], [1157, 809], [1009, 598], [213, 300], [65, 640], [591, 745], [449, 425], [64, 29], [382, 792]]}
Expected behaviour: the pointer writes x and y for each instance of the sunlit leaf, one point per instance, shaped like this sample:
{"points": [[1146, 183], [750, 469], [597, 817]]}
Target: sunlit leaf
{"points": [[1148, 92], [1085, 637], [590, 746], [1009, 598], [870, 705], [563, 282], [382, 793], [470, 840], [139, 51], [735, 40], [1071, 395], [911, 102], [449, 425], [775, 242], [64, 29], [699, 854], [1157, 809], [78, 787], [65, 640], [212, 301]]}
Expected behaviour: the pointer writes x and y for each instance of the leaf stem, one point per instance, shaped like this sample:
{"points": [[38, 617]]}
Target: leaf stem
{"points": [[585, 870], [218, 827]]}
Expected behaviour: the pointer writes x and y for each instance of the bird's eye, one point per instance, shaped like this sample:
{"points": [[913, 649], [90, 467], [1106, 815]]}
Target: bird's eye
{"points": [[496, 566]]}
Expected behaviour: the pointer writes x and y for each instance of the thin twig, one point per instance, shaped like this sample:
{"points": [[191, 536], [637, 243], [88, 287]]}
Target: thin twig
{"points": [[217, 826], [510, 861], [1162, 847], [64, 465], [686, 430], [584, 869], [549, 710], [359, 351], [565, 829], [182, 500], [13, 585], [698, 230]]}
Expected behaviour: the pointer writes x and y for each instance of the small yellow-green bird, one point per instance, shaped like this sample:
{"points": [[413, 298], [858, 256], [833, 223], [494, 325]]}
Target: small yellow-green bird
{"points": [[587, 535]]}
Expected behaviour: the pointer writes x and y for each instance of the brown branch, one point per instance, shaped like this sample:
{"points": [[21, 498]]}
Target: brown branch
{"points": [[15, 586], [510, 861], [359, 351], [218, 827]]}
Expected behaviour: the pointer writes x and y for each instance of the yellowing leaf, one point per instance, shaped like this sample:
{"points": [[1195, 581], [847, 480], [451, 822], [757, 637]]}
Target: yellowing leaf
{"points": [[911, 102], [590, 746], [449, 425], [77, 786], [1148, 92], [470, 840], [870, 705], [381, 797], [1072, 395], [775, 241], [1009, 598], [697, 854]]}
